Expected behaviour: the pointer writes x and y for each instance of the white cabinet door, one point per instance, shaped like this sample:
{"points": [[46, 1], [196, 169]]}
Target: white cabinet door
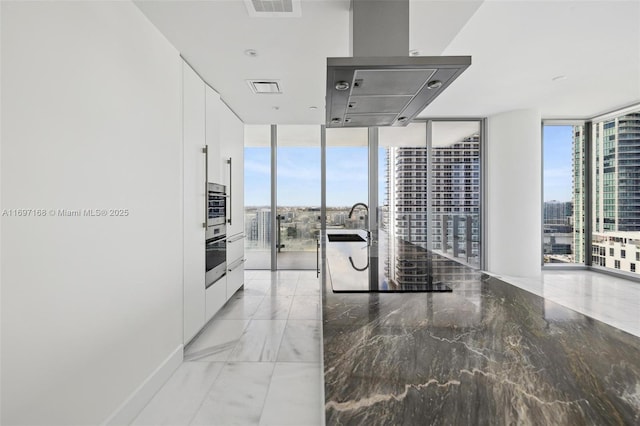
{"points": [[194, 201], [232, 148], [216, 297], [235, 248], [216, 167], [235, 277], [235, 263]]}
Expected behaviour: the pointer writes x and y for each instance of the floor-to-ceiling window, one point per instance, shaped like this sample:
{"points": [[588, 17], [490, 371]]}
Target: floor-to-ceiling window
{"points": [[455, 190], [563, 210], [298, 196], [387, 181], [615, 172], [347, 178], [257, 197]]}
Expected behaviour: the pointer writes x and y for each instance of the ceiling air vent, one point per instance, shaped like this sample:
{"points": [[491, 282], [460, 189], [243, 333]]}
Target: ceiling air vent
{"points": [[265, 87], [273, 8]]}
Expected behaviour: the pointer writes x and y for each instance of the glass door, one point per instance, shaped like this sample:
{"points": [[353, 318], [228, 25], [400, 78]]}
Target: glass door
{"points": [[347, 179], [257, 195], [455, 190], [402, 194], [298, 196]]}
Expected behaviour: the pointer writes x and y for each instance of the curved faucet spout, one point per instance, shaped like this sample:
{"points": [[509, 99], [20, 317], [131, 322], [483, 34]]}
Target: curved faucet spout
{"points": [[356, 205]]}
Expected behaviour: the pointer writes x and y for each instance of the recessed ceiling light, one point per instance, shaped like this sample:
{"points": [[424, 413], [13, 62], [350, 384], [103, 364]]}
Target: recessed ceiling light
{"points": [[313, 108], [275, 107], [434, 84], [251, 52], [342, 85], [559, 77], [414, 52]]}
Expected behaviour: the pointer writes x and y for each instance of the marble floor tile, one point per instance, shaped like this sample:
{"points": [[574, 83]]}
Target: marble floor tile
{"points": [[260, 341], [255, 288], [305, 307], [179, 399], [239, 307], [274, 308], [294, 396], [237, 396], [308, 287], [283, 287], [306, 275], [216, 341], [255, 273], [301, 342], [286, 275]]}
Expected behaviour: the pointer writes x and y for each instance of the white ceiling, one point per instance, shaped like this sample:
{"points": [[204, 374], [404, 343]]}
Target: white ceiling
{"points": [[517, 49]]}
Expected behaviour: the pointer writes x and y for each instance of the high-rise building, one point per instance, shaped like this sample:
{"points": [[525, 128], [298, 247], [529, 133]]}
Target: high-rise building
{"points": [[258, 227], [557, 212], [616, 194], [578, 191], [455, 171]]}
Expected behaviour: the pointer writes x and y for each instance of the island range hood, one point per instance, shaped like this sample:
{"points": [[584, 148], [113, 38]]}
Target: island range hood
{"points": [[381, 85]]}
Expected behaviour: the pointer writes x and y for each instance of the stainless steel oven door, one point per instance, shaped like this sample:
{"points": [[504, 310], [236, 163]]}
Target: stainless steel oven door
{"points": [[216, 204], [216, 260]]}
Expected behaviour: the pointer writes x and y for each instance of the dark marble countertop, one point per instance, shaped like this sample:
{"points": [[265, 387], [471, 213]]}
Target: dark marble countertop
{"points": [[387, 265], [486, 353]]}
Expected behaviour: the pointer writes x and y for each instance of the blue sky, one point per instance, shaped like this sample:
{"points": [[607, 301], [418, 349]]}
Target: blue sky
{"points": [[557, 162], [299, 176], [299, 173]]}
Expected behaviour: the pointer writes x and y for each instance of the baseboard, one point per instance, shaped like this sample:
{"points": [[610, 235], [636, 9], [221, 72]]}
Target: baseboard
{"points": [[130, 408]]}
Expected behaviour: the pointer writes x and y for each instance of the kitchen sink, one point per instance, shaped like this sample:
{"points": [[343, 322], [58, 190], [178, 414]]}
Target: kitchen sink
{"points": [[345, 238]]}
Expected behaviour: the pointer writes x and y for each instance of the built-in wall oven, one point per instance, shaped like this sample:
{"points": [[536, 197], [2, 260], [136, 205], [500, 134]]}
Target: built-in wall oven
{"points": [[216, 233], [216, 207]]}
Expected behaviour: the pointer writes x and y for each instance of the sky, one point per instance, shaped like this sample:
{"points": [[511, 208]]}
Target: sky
{"points": [[299, 173], [299, 176], [557, 158]]}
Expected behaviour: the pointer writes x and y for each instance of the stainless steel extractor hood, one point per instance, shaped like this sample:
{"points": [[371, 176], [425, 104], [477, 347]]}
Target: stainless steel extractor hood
{"points": [[379, 86]]}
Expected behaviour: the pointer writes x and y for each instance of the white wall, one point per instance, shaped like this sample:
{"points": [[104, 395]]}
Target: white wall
{"points": [[513, 193], [91, 119]]}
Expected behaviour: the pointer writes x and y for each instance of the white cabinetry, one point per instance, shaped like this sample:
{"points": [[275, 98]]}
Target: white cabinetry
{"points": [[235, 263], [232, 148], [193, 138], [216, 294], [232, 153], [208, 122], [213, 108]]}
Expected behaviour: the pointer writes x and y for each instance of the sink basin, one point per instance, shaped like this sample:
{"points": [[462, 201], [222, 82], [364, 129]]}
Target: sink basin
{"points": [[345, 238]]}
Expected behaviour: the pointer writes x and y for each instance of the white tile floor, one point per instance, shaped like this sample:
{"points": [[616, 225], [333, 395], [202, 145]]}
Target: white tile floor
{"points": [[257, 362]]}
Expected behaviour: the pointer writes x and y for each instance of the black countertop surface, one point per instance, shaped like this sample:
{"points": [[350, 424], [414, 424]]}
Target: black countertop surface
{"points": [[485, 353], [388, 265]]}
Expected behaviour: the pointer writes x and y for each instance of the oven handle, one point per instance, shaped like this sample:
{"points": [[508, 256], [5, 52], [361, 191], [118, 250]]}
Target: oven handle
{"points": [[235, 238], [205, 150], [235, 265]]}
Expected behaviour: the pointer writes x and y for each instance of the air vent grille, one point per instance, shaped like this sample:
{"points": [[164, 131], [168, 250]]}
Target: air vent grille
{"points": [[265, 87], [273, 8]]}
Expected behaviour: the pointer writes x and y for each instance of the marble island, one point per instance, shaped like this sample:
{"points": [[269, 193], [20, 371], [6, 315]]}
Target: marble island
{"points": [[386, 265], [485, 353]]}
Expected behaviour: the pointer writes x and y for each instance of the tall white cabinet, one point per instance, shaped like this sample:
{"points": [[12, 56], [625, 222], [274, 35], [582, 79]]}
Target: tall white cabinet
{"points": [[232, 153], [193, 139], [209, 124]]}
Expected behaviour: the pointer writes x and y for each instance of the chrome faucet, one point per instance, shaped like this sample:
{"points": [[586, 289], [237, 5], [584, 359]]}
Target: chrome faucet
{"points": [[365, 219], [356, 205]]}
